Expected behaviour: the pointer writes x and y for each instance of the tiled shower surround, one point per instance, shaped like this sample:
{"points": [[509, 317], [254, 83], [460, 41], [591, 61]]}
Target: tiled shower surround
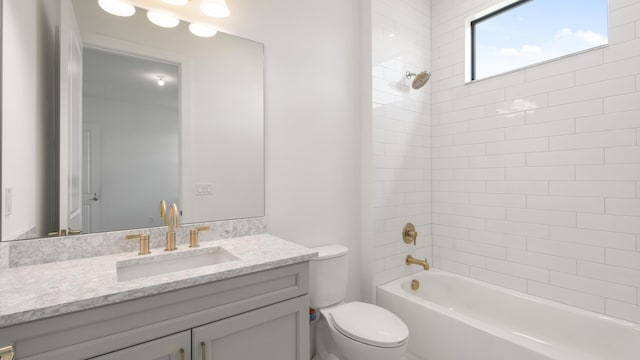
{"points": [[536, 173], [401, 135]]}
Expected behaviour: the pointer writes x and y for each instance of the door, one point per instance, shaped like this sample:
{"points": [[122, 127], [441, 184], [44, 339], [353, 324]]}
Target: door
{"points": [[276, 332], [91, 178], [70, 120], [172, 347]]}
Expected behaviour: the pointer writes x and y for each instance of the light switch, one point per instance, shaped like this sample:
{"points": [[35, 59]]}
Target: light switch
{"points": [[204, 189]]}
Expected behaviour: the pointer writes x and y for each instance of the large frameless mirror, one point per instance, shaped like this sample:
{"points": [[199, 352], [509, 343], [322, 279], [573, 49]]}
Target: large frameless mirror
{"points": [[104, 116]]}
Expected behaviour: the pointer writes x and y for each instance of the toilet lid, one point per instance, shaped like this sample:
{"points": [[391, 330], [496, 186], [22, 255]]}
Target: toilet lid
{"points": [[369, 324]]}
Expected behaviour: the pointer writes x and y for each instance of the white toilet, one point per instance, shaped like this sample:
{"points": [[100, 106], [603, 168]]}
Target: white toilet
{"points": [[355, 330]]}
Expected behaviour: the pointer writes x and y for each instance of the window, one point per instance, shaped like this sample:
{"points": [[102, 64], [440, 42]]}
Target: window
{"points": [[521, 33]]}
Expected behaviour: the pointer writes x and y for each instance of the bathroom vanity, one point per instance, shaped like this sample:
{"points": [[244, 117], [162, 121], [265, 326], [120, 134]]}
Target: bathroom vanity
{"points": [[249, 302]]}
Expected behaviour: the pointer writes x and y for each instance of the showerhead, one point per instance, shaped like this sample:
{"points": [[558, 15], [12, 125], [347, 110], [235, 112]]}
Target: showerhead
{"points": [[420, 79]]}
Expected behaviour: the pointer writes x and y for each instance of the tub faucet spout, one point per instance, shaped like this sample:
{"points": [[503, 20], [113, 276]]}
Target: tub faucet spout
{"points": [[413, 261]]}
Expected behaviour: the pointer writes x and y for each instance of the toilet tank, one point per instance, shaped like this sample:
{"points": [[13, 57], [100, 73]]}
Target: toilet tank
{"points": [[328, 275]]}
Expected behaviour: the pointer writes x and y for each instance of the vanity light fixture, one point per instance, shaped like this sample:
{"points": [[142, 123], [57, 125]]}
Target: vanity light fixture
{"points": [[162, 19], [117, 7], [202, 30], [176, 2], [215, 8], [161, 80]]}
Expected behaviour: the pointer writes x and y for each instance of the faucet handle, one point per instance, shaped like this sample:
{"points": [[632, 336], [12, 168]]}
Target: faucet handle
{"points": [[193, 235], [409, 234], [144, 242]]}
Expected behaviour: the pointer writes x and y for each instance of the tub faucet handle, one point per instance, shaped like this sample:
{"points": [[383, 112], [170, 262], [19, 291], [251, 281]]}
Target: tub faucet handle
{"points": [[409, 234]]}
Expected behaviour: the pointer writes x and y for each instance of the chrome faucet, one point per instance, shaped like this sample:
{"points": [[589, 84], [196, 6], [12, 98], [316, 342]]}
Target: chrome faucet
{"points": [[413, 261], [173, 223]]}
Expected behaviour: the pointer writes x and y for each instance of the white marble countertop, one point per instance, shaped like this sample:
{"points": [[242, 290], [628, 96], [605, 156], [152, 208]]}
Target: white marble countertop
{"points": [[40, 291]]}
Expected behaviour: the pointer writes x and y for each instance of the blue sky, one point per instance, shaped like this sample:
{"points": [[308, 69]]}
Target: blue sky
{"points": [[538, 30]]}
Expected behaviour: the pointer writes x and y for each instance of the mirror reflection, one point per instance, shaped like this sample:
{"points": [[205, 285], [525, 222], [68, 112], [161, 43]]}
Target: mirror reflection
{"points": [[103, 117], [130, 128]]}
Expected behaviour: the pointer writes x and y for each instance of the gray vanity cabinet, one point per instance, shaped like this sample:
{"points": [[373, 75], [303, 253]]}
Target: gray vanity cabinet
{"points": [[262, 315], [270, 333], [172, 347]]}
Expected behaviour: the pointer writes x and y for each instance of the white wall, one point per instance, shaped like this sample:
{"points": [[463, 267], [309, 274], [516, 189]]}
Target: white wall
{"points": [[399, 138], [224, 145], [28, 115], [312, 66], [536, 173]]}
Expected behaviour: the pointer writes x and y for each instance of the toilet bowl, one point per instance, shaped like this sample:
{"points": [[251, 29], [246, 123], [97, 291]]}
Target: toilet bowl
{"points": [[350, 330]]}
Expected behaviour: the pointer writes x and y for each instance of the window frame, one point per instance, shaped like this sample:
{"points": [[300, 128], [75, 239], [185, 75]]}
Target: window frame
{"points": [[472, 24], [470, 43]]}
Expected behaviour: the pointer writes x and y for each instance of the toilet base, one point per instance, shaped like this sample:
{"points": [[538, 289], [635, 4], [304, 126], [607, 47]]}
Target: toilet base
{"points": [[332, 345]]}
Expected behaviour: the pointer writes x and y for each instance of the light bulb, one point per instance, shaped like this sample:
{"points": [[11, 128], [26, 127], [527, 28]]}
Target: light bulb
{"points": [[215, 8], [202, 30], [117, 7], [162, 19], [176, 2], [160, 80]]}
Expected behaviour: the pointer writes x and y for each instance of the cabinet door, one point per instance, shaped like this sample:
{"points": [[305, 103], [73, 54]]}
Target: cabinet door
{"points": [[275, 332], [172, 347]]}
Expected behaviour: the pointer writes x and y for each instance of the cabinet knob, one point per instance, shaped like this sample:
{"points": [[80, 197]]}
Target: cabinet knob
{"points": [[181, 354]]}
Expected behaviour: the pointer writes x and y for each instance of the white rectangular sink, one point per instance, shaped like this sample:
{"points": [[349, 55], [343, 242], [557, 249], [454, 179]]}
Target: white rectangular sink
{"points": [[171, 262]]}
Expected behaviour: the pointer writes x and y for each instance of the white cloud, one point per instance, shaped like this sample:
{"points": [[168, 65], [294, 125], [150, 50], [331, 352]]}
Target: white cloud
{"points": [[531, 49], [564, 33], [590, 37], [509, 52], [525, 50]]}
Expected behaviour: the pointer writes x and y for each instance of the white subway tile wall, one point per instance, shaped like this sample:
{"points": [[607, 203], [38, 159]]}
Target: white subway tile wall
{"points": [[401, 31], [536, 173]]}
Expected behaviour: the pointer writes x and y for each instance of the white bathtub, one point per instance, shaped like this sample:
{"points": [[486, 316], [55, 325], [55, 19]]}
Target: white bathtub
{"points": [[451, 317]]}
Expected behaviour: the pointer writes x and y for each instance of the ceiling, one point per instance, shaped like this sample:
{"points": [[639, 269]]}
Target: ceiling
{"points": [[127, 77]]}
